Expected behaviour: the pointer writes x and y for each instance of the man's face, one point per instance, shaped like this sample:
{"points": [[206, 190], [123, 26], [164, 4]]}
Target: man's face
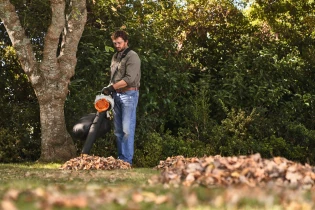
{"points": [[120, 44]]}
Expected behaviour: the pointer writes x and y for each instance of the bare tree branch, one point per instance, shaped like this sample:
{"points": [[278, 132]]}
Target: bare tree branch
{"points": [[19, 40], [75, 23], [52, 39]]}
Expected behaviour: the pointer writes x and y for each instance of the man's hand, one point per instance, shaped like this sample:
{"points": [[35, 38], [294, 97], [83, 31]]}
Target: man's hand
{"points": [[108, 90]]}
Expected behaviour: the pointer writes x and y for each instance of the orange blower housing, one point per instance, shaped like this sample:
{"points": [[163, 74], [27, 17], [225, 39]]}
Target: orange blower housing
{"points": [[103, 103]]}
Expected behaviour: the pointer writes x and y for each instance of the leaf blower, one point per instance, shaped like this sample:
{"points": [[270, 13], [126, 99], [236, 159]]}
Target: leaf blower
{"points": [[94, 125]]}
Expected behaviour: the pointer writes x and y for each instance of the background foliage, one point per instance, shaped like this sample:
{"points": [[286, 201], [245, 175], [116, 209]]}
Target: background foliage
{"points": [[218, 77]]}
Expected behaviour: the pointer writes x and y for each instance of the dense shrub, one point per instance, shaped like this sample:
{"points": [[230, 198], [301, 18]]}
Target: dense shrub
{"points": [[14, 148], [9, 147], [229, 83], [156, 146]]}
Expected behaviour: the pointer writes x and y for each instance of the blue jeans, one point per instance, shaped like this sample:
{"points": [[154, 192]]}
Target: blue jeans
{"points": [[125, 123]]}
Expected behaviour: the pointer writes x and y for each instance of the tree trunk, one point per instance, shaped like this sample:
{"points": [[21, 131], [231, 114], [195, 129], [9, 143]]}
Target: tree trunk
{"points": [[51, 75], [56, 144]]}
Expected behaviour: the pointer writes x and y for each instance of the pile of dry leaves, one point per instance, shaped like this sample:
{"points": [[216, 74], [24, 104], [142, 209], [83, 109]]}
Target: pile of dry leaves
{"points": [[250, 170], [88, 162]]}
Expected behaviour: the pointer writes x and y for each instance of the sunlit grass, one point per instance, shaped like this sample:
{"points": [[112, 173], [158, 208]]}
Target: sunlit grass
{"points": [[32, 165], [28, 175]]}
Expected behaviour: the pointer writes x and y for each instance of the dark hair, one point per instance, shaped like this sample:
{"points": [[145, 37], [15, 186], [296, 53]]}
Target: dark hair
{"points": [[121, 34]]}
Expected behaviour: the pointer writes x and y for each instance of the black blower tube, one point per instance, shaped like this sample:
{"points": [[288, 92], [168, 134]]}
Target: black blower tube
{"points": [[90, 139]]}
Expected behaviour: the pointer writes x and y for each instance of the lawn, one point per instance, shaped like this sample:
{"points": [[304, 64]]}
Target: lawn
{"points": [[46, 186]]}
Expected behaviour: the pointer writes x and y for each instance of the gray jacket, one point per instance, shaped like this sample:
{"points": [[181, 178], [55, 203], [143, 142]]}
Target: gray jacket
{"points": [[127, 69]]}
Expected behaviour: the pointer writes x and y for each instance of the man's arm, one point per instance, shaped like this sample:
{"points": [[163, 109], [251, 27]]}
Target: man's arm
{"points": [[120, 84], [132, 73]]}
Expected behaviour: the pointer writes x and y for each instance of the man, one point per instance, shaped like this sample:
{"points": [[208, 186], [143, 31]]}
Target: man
{"points": [[124, 87]]}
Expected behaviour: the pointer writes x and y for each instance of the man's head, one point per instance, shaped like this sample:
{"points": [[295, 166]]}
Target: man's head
{"points": [[120, 40]]}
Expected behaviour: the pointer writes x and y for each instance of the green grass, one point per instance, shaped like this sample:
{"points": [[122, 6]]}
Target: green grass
{"points": [[23, 176], [45, 186]]}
